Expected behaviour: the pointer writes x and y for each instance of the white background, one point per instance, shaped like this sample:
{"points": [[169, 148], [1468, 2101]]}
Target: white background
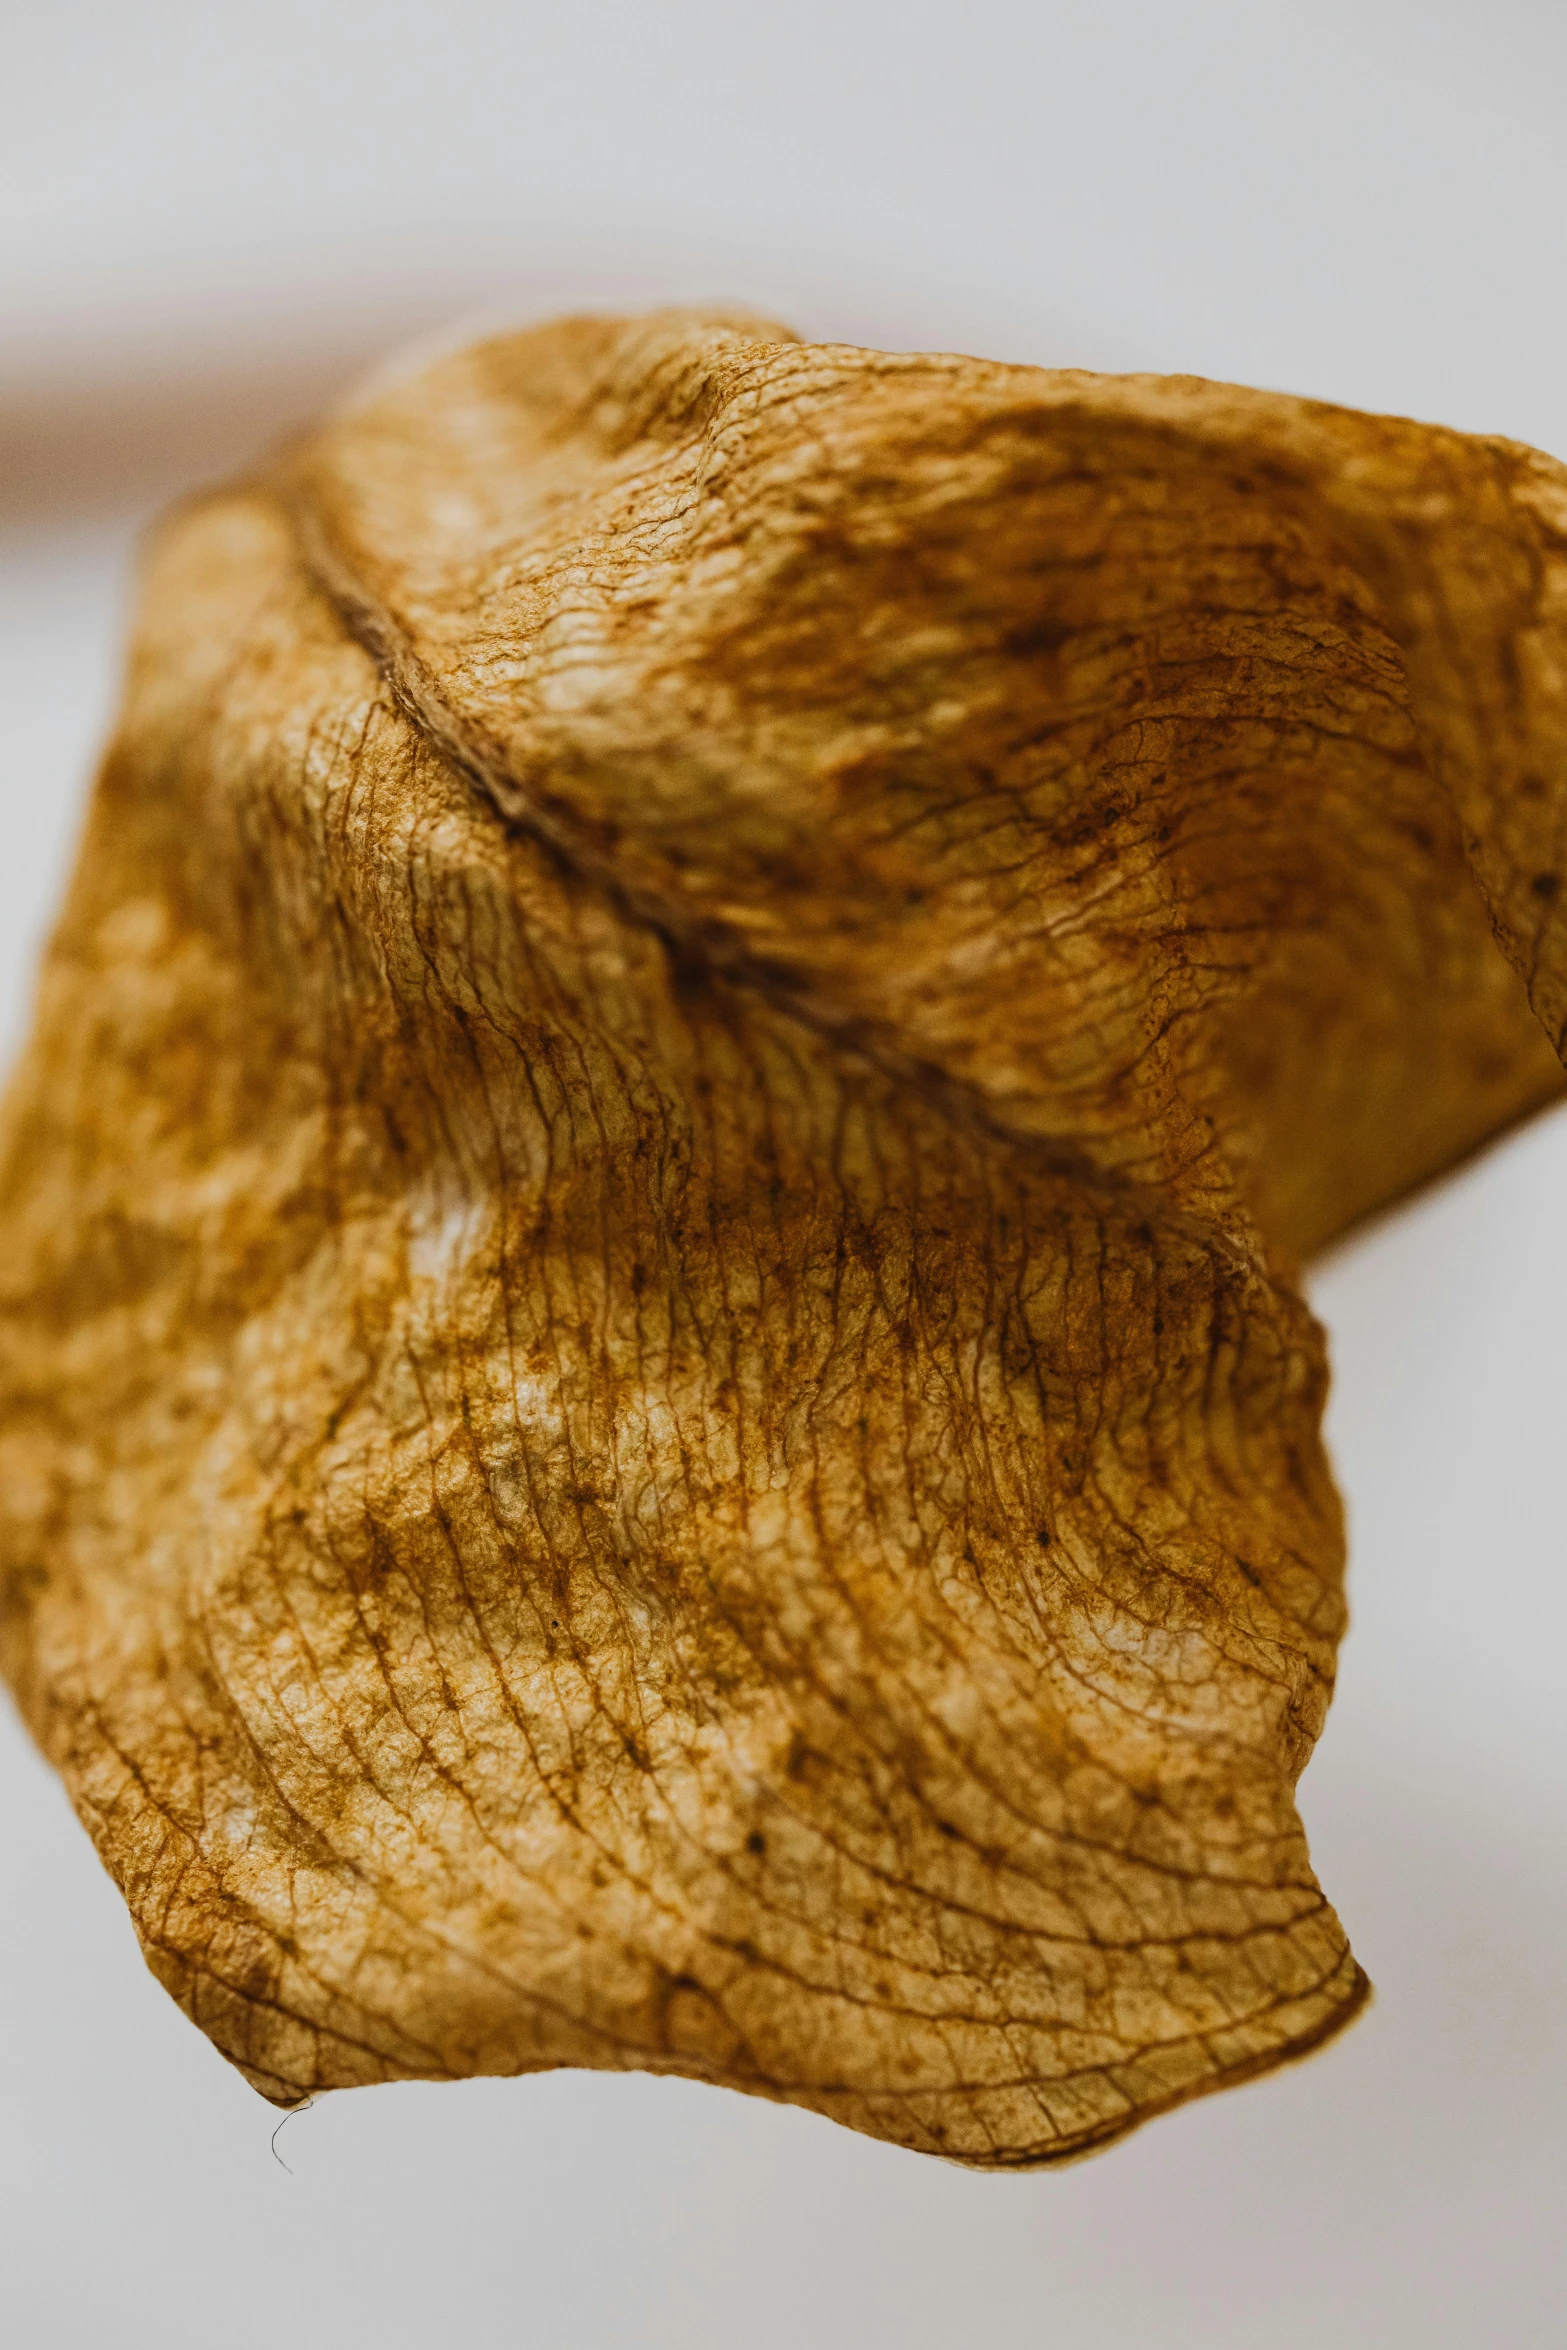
{"points": [[209, 214]]}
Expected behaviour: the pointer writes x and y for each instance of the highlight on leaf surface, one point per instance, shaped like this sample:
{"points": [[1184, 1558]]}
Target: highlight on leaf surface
{"points": [[653, 1408]]}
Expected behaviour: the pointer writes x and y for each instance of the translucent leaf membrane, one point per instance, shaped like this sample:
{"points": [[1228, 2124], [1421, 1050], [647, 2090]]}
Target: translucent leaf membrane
{"points": [[653, 1411]]}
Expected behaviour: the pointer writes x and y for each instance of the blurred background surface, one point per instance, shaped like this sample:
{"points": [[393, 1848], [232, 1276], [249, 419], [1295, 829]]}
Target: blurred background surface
{"points": [[210, 219]]}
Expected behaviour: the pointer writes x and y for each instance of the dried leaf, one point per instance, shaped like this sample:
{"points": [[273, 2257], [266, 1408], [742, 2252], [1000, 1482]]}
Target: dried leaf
{"points": [[654, 1409]]}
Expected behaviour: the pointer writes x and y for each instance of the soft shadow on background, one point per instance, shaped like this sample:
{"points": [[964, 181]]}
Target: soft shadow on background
{"points": [[209, 221]]}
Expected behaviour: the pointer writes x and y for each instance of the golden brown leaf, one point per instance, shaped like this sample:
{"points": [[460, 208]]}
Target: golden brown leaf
{"points": [[652, 1405]]}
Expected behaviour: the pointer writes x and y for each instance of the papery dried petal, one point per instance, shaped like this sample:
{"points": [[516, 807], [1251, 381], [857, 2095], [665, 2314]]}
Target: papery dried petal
{"points": [[652, 1406]]}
